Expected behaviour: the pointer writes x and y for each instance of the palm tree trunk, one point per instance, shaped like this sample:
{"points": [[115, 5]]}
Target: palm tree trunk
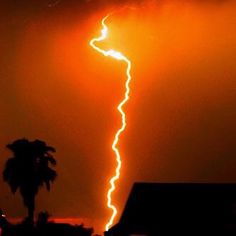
{"points": [[31, 215], [30, 203]]}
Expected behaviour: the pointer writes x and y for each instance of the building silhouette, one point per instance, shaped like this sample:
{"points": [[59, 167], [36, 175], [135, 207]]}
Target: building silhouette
{"points": [[158, 209]]}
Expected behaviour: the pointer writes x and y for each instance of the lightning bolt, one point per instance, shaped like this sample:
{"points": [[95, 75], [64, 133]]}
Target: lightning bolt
{"points": [[118, 56]]}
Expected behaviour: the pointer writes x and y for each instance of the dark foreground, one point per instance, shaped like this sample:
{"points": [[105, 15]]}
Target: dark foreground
{"points": [[43, 229]]}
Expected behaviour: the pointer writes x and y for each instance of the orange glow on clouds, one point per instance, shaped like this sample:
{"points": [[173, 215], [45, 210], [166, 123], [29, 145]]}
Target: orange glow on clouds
{"points": [[183, 62]]}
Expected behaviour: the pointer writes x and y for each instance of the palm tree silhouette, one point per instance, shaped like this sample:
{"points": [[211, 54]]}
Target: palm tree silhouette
{"points": [[29, 169]]}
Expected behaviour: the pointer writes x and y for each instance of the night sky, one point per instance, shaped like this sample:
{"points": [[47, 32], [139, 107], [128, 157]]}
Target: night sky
{"points": [[55, 87]]}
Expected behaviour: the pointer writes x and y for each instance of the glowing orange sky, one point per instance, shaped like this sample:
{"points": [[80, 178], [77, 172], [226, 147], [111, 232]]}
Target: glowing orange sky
{"points": [[181, 118]]}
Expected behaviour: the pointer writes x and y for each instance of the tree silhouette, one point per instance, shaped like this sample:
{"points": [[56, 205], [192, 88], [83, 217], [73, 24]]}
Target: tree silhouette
{"points": [[29, 169]]}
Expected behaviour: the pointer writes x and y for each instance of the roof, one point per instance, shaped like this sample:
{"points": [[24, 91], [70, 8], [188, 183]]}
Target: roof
{"points": [[155, 205]]}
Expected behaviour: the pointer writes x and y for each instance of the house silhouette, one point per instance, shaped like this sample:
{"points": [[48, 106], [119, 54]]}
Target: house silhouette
{"points": [[155, 209]]}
